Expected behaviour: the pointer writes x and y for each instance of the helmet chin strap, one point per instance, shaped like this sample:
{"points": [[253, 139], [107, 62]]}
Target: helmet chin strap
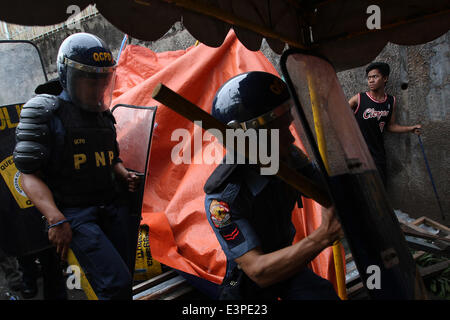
{"points": [[262, 119]]}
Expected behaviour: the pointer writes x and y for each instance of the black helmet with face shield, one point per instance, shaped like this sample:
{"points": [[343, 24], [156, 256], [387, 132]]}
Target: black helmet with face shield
{"points": [[86, 69], [251, 100], [257, 100]]}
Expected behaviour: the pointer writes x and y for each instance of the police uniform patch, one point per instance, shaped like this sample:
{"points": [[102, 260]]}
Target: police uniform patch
{"points": [[232, 235], [220, 213]]}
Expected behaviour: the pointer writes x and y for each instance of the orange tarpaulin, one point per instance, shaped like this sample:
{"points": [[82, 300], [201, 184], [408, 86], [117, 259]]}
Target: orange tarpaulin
{"points": [[179, 233]]}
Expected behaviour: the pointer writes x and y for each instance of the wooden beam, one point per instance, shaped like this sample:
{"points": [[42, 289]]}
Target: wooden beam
{"points": [[430, 271], [215, 12], [352, 291], [351, 35], [431, 223], [425, 272], [154, 281], [156, 293], [414, 231], [349, 258]]}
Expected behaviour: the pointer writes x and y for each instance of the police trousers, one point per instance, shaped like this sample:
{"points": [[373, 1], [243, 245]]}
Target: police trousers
{"points": [[102, 245], [305, 285]]}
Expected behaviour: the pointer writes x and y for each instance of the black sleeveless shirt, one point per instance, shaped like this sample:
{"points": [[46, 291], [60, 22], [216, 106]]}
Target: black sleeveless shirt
{"points": [[372, 116]]}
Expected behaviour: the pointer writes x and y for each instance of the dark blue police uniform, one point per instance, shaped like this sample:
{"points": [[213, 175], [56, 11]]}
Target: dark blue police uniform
{"points": [[100, 238], [247, 210], [71, 140], [86, 192]]}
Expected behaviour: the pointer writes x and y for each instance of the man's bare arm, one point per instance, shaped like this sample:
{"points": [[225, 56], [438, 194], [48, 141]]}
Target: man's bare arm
{"points": [[394, 127], [271, 268]]}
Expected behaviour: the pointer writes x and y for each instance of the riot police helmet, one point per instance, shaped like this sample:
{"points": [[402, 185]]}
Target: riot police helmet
{"points": [[86, 69], [251, 100]]}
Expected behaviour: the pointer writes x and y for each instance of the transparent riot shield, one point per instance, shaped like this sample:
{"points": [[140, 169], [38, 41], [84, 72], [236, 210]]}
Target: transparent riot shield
{"points": [[327, 126], [21, 225], [21, 71], [134, 126]]}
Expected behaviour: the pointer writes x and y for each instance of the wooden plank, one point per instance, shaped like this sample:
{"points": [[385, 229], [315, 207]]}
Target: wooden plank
{"points": [[431, 223], [414, 231], [427, 272], [351, 268], [418, 221], [413, 226], [436, 248], [153, 281], [353, 280], [348, 257], [352, 291], [156, 292]]}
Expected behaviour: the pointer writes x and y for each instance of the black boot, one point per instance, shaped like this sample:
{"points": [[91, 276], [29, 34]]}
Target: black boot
{"points": [[30, 274], [29, 289]]}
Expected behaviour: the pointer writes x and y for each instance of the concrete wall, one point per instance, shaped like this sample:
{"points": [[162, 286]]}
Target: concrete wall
{"points": [[423, 73], [97, 25]]}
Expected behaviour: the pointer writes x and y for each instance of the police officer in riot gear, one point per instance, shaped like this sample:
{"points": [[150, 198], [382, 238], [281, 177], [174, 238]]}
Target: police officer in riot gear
{"points": [[69, 158], [251, 213]]}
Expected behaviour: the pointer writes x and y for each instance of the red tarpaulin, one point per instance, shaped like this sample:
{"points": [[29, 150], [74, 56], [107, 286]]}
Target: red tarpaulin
{"points": [[180, 235]]}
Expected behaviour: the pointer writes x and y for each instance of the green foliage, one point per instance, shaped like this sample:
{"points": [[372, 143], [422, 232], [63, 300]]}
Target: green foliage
{"points": [[440, 283]]}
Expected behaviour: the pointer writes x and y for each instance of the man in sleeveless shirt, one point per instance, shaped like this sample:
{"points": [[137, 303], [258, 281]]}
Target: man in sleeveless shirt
{"points": [[375, 112]]}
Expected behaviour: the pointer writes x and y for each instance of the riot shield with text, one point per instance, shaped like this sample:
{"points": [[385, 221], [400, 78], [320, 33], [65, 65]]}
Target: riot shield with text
{"points": [[21, 225], [134, 126], [335, 141]]}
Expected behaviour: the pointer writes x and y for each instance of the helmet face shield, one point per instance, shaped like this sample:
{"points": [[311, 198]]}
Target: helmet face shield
{"points": [[90, 87]]}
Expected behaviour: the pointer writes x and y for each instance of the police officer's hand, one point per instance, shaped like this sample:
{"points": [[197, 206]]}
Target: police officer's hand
{"points": [[61, 236], [331, 226], [132, 181], [130, 178]]}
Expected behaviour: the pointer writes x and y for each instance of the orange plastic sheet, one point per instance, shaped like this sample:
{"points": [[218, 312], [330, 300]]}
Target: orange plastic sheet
{"points": [[179, 233]]}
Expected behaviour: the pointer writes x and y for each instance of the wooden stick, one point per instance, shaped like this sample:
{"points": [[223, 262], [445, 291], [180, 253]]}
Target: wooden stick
{"points": [[154, 281], [430, 271], [431, 223], [193, 113]]}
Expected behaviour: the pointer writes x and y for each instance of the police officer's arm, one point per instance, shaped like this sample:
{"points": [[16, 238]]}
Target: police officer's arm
{"points": [[31, 155], [41, 196], [271, 268], [394, 127]]}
